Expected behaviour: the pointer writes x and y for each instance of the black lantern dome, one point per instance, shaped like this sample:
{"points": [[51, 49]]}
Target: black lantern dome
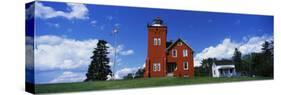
{"points": [[157, 22]]}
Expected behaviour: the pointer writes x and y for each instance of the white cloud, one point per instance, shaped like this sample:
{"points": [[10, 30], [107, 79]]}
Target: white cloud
{"points": [[110, 63], [143, 66], [29, 52], [56, 25], [54, 52], [128, 52], [61, 53], [125, 71], [118, 61], [94, 23], [77, 11], [69, 77], [120, 50], [226, 48]]}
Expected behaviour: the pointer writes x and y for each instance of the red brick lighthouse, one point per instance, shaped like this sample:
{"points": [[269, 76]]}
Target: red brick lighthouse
{"points": [[167, 58]]}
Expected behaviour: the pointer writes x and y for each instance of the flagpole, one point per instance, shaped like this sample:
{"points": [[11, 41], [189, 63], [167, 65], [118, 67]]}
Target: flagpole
{"points": [[115, 52]]}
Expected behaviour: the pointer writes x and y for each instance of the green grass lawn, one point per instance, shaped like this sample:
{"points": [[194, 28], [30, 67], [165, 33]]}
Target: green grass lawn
{"points": [[134, 83]]}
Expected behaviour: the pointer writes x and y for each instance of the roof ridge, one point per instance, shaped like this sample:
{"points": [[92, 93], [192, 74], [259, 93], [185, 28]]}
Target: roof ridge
{"points": [[179, 39]]}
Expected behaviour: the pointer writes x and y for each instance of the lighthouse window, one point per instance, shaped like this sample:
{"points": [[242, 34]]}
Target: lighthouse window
{"points": [[159, 41], [155, 41], [156, 67]]}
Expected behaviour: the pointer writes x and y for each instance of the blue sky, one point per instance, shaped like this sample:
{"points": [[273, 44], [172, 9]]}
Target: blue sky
{"points": [[201, 30]]}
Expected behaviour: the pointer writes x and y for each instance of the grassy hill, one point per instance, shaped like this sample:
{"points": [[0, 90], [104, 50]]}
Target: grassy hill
{"points": [[134, 83]]}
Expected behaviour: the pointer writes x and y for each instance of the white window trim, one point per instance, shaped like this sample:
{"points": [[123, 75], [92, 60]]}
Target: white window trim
{"points": [[159, 41], [155, 41], [154, 67], [185, 64], [159, 66], [174, 55], [185, 53]]}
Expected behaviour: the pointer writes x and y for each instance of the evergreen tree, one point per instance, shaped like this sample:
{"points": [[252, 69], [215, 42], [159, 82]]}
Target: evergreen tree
{"points": [[237, 56], [240, 66], [207, 65], [99, 68], [271, 50], [129, 76], [139, 73], [264, 61]]}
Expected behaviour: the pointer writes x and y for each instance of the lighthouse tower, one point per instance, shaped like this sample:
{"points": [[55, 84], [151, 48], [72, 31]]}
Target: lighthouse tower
{"points": [[156, 51]]}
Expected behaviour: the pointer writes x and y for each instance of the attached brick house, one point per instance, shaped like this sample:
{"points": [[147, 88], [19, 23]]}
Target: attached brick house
{"points": [[167, 58]]}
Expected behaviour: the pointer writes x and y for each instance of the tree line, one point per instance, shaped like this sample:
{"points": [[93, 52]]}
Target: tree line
{"points": [[253, 64], [138, 74]]}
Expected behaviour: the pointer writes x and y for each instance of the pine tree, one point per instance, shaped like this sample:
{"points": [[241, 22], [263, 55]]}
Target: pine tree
{"points": [[207, 65], [99, 68], [237, 56], [129, 76], [265, 67], [237, 59], [139, 73]]}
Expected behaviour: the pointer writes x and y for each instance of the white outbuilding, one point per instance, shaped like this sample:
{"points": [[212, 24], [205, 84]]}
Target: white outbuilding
{"points": [[223, 69]]}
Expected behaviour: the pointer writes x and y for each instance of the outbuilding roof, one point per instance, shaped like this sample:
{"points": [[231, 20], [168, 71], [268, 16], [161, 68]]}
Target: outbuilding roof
{"points": [[224, 62]]}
